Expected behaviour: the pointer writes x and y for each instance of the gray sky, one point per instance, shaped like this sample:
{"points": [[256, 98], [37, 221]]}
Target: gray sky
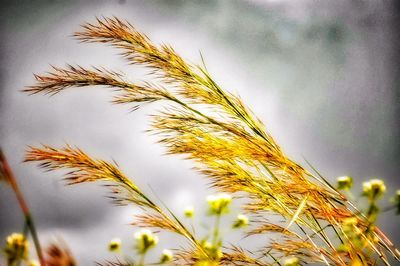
{"points": [[320, 74]]}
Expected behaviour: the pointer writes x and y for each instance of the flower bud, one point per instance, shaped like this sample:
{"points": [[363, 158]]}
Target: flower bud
{"points": [[16, 248], [34, 263], [219, 204], [241, 221], [374, 188], [166, 256], [145, 240], [189, 212], [114, 245], [344, 182]]}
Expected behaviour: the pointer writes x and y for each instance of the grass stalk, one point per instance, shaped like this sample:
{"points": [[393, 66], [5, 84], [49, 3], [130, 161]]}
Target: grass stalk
{"points": [[29, 222]]}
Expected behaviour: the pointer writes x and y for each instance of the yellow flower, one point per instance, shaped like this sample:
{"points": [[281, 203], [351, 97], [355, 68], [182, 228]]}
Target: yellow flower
{"points": [[344, 182], [214, 251], [114, 245], [166, 256], [374, 188], [241, 221], [17, 248], [34, 263], [293, 261], [145, 240], [219, 204], [189, 211]]}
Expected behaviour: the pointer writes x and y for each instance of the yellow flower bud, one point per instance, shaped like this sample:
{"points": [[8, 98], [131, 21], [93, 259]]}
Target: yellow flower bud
{"points": [[241, 221], [219, 204], [374, 188], [214, 251], [34, 263], [114, 245], [344, 182], [17, 248], [166, 256], [145, 240], [189, 211]]}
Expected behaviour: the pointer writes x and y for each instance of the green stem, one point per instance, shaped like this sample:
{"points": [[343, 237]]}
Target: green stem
{"points": [[32, 228], [216, 230], [141, 259], [25, 234], [23, 205]]}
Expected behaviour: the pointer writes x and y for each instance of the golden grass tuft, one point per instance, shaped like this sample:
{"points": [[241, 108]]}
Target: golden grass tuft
{"points": [[228, 144]]}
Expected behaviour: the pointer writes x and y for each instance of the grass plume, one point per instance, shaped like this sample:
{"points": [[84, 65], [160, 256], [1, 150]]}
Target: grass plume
{"points": [[228, 144]]}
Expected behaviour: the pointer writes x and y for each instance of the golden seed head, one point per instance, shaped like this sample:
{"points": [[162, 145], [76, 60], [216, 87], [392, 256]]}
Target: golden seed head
{"points": [[189, 212], [166, 256], [374, 188], [344, 182], [17, 247], [241, 221], [293, 261], [219, 204], [114, 245], [145, 240]]}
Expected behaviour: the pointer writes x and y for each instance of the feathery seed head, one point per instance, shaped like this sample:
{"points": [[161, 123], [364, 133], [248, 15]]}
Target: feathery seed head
{"points": [[59, 254], [215, 129]]}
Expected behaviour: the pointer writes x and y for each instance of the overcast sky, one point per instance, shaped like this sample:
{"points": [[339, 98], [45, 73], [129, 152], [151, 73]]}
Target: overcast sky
{"points": [[320, 74]]}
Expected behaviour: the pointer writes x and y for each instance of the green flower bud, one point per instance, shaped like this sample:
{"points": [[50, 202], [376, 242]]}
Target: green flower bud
{"points": [[374, 189], [189, 212], [241, 221], [166, 256], [145, 240], [17, 248], [344, 182], [219, 204], [114, 245]]}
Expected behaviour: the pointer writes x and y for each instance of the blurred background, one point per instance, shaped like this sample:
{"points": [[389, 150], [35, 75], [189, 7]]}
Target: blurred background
{"points": [[322, 75]]}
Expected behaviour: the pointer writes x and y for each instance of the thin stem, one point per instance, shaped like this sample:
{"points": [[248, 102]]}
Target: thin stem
{"points": [[216, 230], [141, 259], [25, 234], [23, 205]]}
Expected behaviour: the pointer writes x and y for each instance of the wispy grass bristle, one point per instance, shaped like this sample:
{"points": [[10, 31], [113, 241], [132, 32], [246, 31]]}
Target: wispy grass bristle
{"points": [[229, 145]]}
